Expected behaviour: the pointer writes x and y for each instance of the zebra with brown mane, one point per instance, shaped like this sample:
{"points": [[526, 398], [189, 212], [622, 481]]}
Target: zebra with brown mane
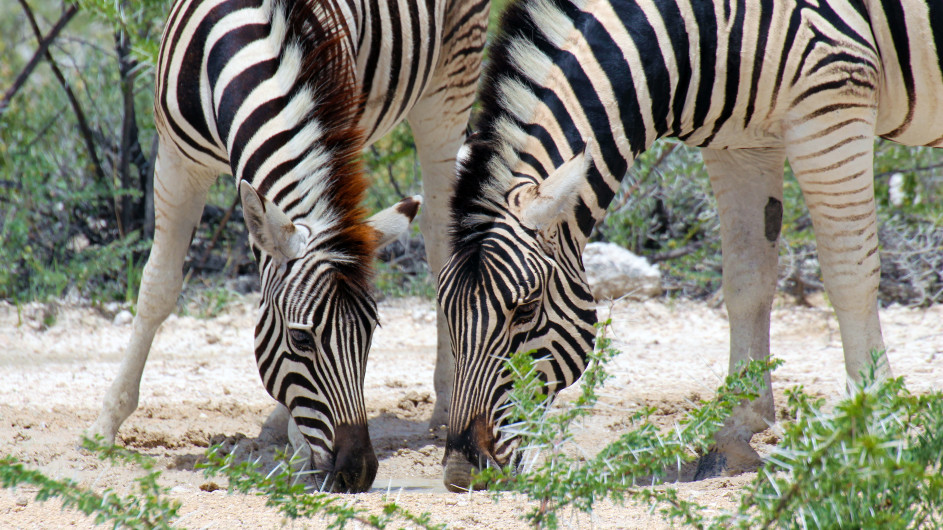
{"points": [[284, 95]]}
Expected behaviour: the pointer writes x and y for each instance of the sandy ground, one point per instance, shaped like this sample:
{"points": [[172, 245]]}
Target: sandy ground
{"points": [[201, 383]]}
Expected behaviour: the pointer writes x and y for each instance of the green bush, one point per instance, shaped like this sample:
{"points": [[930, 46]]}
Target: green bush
{"points": [[146, 507], [874, 461], [72, 175], [557, 479], [665, 211]]}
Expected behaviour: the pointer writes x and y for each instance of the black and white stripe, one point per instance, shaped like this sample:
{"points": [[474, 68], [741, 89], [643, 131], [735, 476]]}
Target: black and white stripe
{"points": [[577, 89], [284, 95]]}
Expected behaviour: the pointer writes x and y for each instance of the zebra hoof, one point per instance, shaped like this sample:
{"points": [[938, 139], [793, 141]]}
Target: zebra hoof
{"points": [[440, 416], [102, 431], [713, 464], [727, 460]]}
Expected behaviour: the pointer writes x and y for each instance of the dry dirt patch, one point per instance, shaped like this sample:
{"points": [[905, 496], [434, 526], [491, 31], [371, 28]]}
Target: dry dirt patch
{"points": [[201, 386]]}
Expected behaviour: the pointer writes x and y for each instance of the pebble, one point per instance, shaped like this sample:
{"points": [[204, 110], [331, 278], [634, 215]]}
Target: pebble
{"points": [[123, 318]]}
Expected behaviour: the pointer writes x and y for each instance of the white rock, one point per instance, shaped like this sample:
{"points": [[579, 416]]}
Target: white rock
{"points": [[895, 189], [614, 272], [124, 317]]}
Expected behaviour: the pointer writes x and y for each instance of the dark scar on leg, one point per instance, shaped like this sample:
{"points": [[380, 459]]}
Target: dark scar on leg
{"points": [[773, 213]]}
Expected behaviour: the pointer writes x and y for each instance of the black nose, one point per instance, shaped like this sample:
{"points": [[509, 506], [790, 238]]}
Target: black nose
{"points": [[355, 465]]}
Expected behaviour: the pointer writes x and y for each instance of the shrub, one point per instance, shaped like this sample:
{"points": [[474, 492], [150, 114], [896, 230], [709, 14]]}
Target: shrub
{"points": [[147, 507], [874, 461], [555, 479]]}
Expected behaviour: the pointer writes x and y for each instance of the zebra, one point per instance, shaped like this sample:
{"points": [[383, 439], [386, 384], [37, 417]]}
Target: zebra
{"points": [[575, 90], [284, 95]]}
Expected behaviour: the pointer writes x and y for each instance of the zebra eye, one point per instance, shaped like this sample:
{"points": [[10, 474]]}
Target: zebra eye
{"points": [[301, 339], [525, 313]]}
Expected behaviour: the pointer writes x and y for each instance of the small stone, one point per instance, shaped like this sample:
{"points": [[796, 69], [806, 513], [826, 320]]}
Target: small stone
{"points": [[212, 338], [123, 318], [22, 501], [210, 486], [614, 272]]}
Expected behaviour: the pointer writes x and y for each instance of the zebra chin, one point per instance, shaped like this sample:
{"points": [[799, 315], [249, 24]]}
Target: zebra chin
{"points": [[353, 467]]}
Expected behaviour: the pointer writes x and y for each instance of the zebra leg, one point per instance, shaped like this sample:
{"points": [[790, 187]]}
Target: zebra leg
{"points": [[275, 429], [179, 197], [832, 157], [748, 186], [438, 121], [438, 141]]}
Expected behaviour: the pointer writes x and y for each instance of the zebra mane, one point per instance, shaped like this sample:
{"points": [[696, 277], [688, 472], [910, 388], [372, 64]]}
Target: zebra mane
{"points": [[318, 30], [520, 60]]}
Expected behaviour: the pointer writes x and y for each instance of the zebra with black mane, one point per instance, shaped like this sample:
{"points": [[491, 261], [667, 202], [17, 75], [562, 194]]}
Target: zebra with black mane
{"points": [[284, 95], [577, 89]]}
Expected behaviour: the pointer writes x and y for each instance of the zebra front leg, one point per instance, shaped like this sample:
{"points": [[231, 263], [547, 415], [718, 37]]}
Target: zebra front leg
{"points": [[438, 121], [179, 196], [437, 152], [748, 186], [834, 167]]}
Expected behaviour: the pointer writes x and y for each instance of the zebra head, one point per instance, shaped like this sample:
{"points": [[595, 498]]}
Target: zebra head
{"points": [[514, 283], [316, 321]]}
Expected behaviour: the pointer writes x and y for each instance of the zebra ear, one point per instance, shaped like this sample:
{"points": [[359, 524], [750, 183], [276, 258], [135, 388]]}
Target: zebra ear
{"points": [[556, 195], [393, 221], [269, 227]]}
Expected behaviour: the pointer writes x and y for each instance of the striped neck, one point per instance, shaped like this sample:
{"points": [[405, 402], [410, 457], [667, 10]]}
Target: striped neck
{"points": [[289, 121], [563, 71]]}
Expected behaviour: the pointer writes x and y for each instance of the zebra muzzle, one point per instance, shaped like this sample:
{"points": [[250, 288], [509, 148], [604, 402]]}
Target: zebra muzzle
{"points": [[355, 466], [467, 453], [458, 473]]}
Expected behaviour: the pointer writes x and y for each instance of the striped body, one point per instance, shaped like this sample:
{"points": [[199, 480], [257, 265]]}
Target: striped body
{"points": [[577, 89], [208, 40], [284, 95]]}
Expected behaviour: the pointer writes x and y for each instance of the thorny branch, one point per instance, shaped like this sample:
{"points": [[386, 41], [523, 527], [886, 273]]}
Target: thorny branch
{"points": [[73, 101], [41, 52]]}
